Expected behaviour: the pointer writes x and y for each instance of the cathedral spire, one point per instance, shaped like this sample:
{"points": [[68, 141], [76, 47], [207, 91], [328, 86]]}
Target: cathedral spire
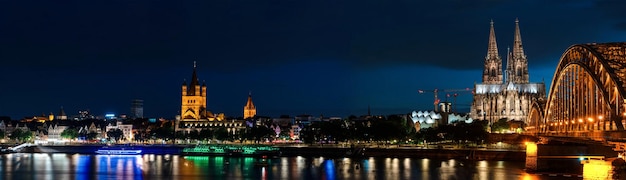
{"points": [[492, 73], [492, 51], [518, 49], [509, 72]]}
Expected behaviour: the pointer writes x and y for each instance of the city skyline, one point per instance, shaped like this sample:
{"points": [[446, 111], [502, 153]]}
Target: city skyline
{"points": [[330, 58]]}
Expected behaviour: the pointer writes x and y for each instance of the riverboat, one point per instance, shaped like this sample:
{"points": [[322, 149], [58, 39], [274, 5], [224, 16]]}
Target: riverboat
{"points": [[231, 150], [113, 150]]}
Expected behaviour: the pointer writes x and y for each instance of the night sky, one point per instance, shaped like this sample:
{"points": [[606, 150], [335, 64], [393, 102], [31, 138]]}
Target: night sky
{"points": [[317, 57]]}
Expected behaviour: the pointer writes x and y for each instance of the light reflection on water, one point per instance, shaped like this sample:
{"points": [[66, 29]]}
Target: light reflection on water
{"points": [[150, 166]]}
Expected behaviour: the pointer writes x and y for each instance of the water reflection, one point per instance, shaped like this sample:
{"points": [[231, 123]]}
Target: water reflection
{"points": [[149, 166]]}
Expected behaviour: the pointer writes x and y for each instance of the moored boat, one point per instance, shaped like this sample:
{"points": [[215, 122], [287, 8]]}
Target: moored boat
{"points": [[114, 150], [232, 150]]}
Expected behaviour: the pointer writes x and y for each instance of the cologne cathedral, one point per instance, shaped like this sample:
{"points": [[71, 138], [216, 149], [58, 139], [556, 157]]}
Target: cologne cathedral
{"points": [[505, 94]]}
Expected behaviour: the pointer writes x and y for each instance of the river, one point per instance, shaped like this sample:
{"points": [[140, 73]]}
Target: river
{"points": [[148, 166]]}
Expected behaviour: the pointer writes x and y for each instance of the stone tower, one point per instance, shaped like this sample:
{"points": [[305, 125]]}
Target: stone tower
{"points": [[193, 106], [249, 110], [492, 73], [517, 65]]}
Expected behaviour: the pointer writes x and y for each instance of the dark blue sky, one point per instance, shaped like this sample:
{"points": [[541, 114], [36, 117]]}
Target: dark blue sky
{"points": [[297, 57]]}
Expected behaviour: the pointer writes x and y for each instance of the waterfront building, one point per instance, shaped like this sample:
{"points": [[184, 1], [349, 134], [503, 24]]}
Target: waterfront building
{"points": [[505, 94], [54, 133], [194, 115], [127, 130], [249, 110]]}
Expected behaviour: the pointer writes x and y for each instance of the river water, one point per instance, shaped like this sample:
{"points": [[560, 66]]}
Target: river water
{"points": [[148, 166]]}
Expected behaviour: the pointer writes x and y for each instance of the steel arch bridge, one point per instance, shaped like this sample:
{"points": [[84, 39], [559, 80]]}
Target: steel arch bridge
{"points": [[587, 94]]}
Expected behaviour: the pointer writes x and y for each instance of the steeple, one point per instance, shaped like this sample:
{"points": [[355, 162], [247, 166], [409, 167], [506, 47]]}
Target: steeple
{"points": [[518, 70], [518, 49], [249, 103], [249, 111], [191, 89], [492, 73], [492, 50], [509, 73]]}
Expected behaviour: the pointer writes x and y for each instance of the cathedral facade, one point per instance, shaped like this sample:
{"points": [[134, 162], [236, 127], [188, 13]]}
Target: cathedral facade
{"points": [[505, 94]]}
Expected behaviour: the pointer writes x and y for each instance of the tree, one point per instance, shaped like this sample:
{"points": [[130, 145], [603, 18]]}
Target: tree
{"points": [[116, 134], [205, 134], [500, 125], [163, 133], [257, 133], [69, 133], [21, 135], [91, 135], [221, 133]]}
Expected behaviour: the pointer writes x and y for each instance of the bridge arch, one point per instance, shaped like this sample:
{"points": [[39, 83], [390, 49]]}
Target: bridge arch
{"points": [[535, 120], [587, 91]]}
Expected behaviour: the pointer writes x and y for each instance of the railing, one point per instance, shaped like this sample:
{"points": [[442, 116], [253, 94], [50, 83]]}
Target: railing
{"points": [[19, 147]]}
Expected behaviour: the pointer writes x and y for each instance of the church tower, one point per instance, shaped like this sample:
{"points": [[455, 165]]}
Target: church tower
{"points": [[492, 73], [249, 110], [517, 71], [193, 106], [509, 97]]}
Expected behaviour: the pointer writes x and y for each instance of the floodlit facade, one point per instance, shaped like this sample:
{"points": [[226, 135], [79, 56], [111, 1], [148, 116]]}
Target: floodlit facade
{"points": [[193, 106], [194, 115], [127, 130], [249, 110], [505, 94]]}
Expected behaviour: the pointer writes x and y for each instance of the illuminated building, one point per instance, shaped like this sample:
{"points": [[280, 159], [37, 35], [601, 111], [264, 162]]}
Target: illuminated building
{"points": [[194, 115], [54, 132], [249, 110], [193, 105], [508, 94], [127, 130]]}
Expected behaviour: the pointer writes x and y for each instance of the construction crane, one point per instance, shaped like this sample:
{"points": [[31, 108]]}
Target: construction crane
{"points": [[435, 94], [455, 94]]}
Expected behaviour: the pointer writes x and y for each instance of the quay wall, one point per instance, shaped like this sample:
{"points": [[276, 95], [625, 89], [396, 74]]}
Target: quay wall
{"points": [[470, 154]]}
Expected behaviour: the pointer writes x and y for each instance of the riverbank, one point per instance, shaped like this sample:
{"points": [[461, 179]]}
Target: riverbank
{"points": [[471, 154]]}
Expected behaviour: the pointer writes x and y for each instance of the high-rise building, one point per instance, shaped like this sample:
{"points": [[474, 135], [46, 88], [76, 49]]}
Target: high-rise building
{"points": [[136, 108], [249, 110], [509, 94]]}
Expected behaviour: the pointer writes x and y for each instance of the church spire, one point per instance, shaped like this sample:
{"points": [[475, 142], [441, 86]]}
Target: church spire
{"points": [[191, 89], [492, 73], [509, 72], [249, 111], [519, 69], [518, 49], [492, 50], [249, 103]]}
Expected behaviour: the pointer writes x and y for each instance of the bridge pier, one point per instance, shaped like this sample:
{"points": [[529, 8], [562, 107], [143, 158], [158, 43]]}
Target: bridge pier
{"points": [[563, 157]]}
